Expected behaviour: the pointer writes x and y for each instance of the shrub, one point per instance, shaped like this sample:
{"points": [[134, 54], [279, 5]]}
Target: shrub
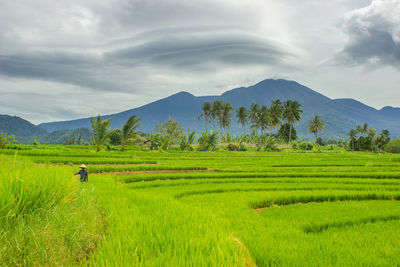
{"points": [[393, 146], [6, 139], [270, 145], [208, 141], [166, 142], [303, 146], [233, 147], [183, 145], [242, 147], [155, 141]]}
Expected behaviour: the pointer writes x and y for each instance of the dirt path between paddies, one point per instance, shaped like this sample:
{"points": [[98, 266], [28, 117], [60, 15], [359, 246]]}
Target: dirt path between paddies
{"points": [[155, 172], [248, 261]]}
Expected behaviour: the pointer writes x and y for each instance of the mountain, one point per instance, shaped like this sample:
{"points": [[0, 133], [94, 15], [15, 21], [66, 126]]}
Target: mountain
{"points": [[19, 127], [390, 112], [340, 115]]}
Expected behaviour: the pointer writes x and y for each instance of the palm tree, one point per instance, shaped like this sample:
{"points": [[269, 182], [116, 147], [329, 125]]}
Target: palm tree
{"points": [[361, 130], [207, 108], [254, 111], [292, 114], [129, 130], [242, 115], [191, 139], [275, 112], [365, 128], [263, 119], [216, 110], [100, 131], [352, 135], [315, 126], [226, 116]]}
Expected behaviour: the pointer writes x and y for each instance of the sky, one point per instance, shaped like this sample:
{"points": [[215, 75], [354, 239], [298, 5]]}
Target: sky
{"points": [[63, 60]]}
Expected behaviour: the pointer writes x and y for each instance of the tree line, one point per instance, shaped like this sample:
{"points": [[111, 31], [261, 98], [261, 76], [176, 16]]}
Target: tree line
{"points": [[261, 118], [279, 115], [365, 138]]}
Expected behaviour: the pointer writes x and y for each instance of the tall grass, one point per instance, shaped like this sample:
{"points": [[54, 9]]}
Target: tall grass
{"points": [[25, 188], [46, 217]]}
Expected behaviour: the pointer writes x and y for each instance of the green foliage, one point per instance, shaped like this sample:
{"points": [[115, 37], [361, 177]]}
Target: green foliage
{"points": [[199, 208], [291, 113], [242, 115], [208, 141], [129, 130], [364, 138], [172, 129], [393, 146], [303, 146], [166, 143], [242, 147], [286, 130], [275, 112], [154, 141], [100, 129], [270, 145], [187, 141], [316, 125], [5, 140], [233, 147], [115, 137], [46, 219], [207, 112], [78, 136]]}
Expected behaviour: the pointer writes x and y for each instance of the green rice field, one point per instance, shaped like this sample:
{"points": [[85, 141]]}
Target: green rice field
{"points": [[223, 208]]}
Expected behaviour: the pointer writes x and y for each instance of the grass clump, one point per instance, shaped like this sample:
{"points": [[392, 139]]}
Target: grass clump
{"points": [[46, 218]]}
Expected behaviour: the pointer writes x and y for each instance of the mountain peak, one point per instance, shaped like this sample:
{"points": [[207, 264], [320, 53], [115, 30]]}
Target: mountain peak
{"points": [[340, 115], [182, 94]]}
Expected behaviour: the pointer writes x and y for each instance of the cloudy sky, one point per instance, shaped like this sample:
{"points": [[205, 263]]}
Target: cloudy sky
{"points": [[67, 59]]}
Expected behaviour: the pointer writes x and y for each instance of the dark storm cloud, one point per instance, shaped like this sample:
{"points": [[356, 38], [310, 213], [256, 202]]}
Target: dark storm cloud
{"points": [[192, 51], [196, 50], [70, 68], [374, 35]]}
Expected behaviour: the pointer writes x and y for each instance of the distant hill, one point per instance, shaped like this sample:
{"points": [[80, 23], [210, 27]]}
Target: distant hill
{"points": [[340, 115], [19, 127], [25, 132], [390, 112], [61, 136]]}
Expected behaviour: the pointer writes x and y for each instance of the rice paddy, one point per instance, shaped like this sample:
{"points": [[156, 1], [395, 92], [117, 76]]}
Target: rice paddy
{"points": [[232, 208]]}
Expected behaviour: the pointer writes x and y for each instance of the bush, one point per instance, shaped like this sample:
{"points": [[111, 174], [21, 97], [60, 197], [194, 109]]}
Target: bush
{"points": [[270, 145], [155, 141], [303, 146], [233, 147], [242, 147], [393, 146], [208, 141], [166, 143], [5, 140], [183, 145]]}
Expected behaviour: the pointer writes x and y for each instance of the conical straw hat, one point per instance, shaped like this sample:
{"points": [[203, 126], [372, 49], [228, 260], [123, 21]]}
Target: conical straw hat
{"points": [[83, 166]]}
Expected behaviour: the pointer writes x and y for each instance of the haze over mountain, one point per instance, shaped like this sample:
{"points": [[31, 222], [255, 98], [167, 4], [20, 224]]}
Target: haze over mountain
{"points": [[340, 115]]}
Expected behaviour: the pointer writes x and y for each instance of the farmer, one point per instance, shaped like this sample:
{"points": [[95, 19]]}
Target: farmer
{"points": [[84, 173]]}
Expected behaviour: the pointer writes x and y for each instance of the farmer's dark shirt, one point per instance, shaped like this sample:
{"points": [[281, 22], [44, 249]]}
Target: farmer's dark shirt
{"points": [[84, 175]]}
